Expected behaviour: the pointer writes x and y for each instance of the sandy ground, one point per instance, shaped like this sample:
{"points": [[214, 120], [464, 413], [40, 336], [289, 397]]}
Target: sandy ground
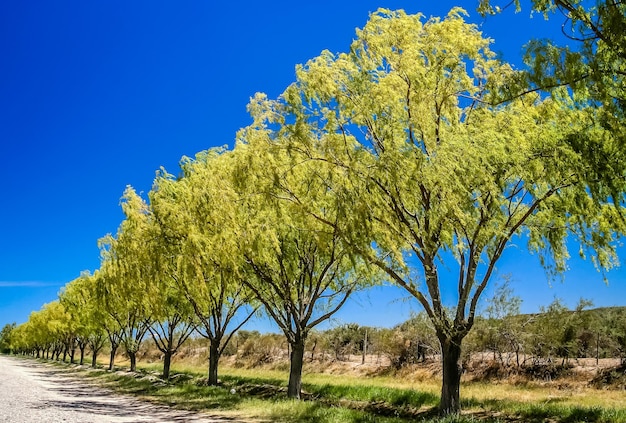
{"points": [[34, 392]]}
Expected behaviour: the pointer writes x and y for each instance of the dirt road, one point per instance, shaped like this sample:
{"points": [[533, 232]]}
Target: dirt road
{"points": [[33, 392]]}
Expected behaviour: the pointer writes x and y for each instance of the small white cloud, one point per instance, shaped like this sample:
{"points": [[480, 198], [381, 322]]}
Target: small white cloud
{"points": [[26, 284]]}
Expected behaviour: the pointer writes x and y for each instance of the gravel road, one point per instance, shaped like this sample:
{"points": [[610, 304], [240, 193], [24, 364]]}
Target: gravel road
{"points": [[34, 392]]}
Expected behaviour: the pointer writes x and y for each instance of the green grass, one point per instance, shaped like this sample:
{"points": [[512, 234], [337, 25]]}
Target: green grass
{"points": [[261, 396]]}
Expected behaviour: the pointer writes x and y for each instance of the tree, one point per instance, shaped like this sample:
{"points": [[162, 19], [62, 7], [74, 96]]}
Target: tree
{"points": [[503, 326], [74, 302], [124, 275], [168, 308], [145, 266], [301, 271], [556, 330], [345, 339], [53, 327], [5, 338], [419, 334], [194, 214], [79, 298], [616, 327], [105, 312], [19, 342], [33, 336], [549, 330], [172, 316], [428, 172]]}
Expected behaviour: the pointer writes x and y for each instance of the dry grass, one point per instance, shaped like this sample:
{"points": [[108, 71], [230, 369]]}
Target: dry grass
{"points": [[569, 391], [350, 388]]}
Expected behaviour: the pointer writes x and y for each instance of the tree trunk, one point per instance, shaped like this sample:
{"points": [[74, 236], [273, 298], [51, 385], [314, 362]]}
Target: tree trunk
{"points": [[133, 360], [95, 348], [598, 349], [452, 369], [167, 363], [295, 372], [82, 354], [364, 348], [214, 358], [72, 352], [112, 358]]}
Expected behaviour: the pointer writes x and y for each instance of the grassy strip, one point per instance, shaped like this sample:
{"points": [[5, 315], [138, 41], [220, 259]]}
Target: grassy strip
{"points": [[262, 397]]}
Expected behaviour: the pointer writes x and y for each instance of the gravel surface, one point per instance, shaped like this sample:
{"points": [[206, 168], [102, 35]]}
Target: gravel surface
{"points": [[35, 392]]}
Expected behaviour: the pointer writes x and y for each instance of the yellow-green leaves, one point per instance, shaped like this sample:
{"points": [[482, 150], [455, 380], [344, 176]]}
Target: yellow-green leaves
{"points": [[418, 156]]}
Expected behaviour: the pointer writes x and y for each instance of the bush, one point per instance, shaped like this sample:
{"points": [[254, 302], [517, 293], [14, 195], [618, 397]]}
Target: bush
{"points": [[263, 349]]}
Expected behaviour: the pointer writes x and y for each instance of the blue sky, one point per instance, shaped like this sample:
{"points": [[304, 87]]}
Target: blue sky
{"points": [[98, 95]]}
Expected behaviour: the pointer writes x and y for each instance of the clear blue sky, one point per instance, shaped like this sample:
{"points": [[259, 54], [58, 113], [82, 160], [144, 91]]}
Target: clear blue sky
{"points": [[98, 95]]}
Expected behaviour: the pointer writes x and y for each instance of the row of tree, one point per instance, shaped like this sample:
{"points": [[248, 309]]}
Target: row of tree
{"points": [[502, 337], [415, 148]]}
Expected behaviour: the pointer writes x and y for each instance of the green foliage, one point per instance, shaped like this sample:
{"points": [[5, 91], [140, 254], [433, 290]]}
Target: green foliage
{"points": [[593, 66], [552, 337], [408, 343], [259, 349], [345, 339], [5, 337], [404, 134], [79, 297], [125, 274], [501, 331], [196, 215], [281, 244], [300, 268], [416, 196], [556, 329]]}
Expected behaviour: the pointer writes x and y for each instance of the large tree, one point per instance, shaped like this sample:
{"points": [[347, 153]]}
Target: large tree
{"points": [[144, 267], [125, 273], [430, 175], [194, 215], [301, 270], [171, 314]]}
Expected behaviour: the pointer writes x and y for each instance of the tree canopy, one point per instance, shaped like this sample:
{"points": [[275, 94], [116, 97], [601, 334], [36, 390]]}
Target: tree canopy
{"points": [[428, 164], [592, 65], [196, 214]]}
